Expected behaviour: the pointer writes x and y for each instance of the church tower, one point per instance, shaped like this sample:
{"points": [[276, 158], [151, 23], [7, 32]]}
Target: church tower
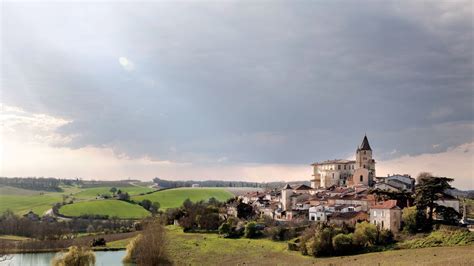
{"points": [[364, 161]]}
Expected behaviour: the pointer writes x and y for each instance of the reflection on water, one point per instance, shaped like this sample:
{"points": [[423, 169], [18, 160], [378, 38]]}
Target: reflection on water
{"points": [[102, 258]]}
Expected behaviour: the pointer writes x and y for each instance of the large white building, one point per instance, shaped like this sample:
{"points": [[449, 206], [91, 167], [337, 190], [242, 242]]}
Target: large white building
{"points": [[346, 172]]}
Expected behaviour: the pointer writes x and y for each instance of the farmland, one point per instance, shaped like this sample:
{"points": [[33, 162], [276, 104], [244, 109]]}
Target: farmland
{"points": [[21, 204], [172, 198], [90, 193], [20, 201], [117, 208]]}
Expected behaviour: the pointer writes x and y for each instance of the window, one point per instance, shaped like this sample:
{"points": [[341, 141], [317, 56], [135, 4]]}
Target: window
{"points": [[364, 152], [318, 218], [382, 224], [344, 167], [364, 165], [332, 175], [375, 223], [375, 213], [338, 167], [361, 178]]}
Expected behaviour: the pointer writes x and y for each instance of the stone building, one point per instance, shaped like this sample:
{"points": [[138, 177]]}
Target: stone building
{"points": [[346, 172], [386, 215]]}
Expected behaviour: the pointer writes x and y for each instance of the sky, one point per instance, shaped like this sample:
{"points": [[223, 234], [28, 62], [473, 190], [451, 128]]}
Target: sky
{"points": [[235, 90]]}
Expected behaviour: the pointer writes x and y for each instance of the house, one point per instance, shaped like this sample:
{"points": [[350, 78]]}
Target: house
{"points": [[386, 215], [32, 216], [401, 182], [448, 201], [318, 213], [302, 189], [349, 218]]}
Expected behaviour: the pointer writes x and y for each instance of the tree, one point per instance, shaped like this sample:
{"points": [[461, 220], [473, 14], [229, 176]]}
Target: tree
{"points": [[409, 218], [365, 234], [76, 256], [146, 204], [244, 211], [428, 190], [449, 215], [113, 190], [403, 198], [123, 196], [342, 243], [251, 230], [155, 206]]}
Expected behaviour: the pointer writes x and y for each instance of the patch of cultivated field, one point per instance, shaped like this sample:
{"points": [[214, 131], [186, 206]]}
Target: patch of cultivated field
{"points": [[90, 193], [117, 208], [173, 198], [21, 204]]}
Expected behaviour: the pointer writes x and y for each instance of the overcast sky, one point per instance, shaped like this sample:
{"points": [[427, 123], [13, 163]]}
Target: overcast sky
{"points": [[252, 90]]}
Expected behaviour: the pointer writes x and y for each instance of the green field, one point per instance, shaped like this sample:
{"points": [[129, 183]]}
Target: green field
{"points": [[120, 209], [172, 198], [90, 193], [210, 249], [21, 204]]}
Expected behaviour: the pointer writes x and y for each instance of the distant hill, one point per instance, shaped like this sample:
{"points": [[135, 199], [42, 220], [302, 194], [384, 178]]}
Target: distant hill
{"points": [[461, 193], [221, 183]]}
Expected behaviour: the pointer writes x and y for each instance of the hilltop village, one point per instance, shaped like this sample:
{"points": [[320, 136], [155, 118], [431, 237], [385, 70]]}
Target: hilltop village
{"points": [[341, 192]]}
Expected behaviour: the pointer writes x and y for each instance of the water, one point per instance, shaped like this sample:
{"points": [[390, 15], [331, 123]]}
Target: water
{"points": [[102, 258]]}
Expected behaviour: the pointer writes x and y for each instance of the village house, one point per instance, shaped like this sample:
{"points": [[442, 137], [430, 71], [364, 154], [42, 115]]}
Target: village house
{"points": [[396, 183], [348, 218], [448, 201], [386, 215]]}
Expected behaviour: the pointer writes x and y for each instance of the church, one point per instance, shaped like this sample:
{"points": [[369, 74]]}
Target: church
{"points": [[346, 172]]}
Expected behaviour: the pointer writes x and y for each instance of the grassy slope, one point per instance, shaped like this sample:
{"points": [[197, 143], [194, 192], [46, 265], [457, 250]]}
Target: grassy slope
{"points": [[209, 249], [90, 193], [21, 204], [172, 198], [112, 208]]}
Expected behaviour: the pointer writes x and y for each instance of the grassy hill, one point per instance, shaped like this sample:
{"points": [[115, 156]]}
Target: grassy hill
{"points": [[21, 204], [89, 193], [172, 198], [111, 208]]}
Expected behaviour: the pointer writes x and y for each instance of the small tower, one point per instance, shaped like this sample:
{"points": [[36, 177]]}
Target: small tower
{"points": [[364, 160], [286, 193]]}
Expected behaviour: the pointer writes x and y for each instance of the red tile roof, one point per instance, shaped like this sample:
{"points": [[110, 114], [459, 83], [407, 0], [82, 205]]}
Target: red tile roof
{"points": [[388, 204]]}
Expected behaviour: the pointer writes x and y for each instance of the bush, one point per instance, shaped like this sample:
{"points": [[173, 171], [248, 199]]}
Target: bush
{"points": [[149, 248], [365, 234], [99, 242], [342, 243], [251, 230], [76, 256], [409, 218]]}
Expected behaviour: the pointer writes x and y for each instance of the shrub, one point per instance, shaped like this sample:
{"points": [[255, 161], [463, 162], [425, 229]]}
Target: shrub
{"points": [[149, 248], [76, 256], [342, 243], [365, 234], [99, 242], [409, 218], [251, 230]]}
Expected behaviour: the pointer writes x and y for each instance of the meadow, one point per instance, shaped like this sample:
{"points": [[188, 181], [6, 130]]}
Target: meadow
{"points": [[210, 249], [21, 204], [117, 208], [172, 198], [91, 193]]}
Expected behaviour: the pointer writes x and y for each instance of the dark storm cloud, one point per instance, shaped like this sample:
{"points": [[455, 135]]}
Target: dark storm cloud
{"points": [[250, 82]]}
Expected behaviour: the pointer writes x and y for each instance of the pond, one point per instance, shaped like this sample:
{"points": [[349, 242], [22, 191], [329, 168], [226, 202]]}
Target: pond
{"points": [[105, 258]]}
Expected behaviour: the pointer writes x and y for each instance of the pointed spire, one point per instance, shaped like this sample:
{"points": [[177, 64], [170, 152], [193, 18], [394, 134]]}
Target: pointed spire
{"points": [[287, 186], [365, 146]]}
